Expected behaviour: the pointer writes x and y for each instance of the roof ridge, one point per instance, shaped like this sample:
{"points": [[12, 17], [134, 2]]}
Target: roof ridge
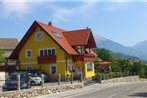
{"points": [[76, 30], [50, 25]]}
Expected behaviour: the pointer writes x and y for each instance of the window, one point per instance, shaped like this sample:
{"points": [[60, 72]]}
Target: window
{"points": [[41, 52], [28, 53], [53, 52], [57, 34], [79, 49], [89, 66], [39, 36], [28, 68], [53, 69], [47, 52]]}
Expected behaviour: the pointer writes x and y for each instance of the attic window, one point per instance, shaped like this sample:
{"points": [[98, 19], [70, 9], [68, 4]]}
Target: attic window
{"points": [[39, 36], [57, 34]]}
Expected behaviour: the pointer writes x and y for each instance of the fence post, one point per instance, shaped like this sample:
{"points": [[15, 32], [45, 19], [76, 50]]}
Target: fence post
{"points": [[59, 79], [18, 82], [71, 76], [107, 77], [42, 80], [81, 77], [100, 78]]}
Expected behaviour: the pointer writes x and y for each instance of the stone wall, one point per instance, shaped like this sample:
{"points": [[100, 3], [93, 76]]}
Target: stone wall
{"points": [[122, 79], [28, 93]]}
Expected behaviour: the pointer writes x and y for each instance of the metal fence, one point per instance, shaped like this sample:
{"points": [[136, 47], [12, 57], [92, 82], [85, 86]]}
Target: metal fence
{"points": [[105, 76]]}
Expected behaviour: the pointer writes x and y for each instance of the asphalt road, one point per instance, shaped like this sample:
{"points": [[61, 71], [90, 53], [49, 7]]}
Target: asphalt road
{"points": [[126, 90]]}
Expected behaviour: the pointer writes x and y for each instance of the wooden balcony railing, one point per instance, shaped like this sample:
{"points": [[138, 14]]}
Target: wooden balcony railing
{"points": [[46, 59], [84, 57]]}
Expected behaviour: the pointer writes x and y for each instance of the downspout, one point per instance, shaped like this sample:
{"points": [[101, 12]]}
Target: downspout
{"points": [[66, 66]]}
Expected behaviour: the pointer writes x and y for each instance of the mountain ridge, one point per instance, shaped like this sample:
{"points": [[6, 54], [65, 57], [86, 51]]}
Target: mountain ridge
{"points": [[137, 50]]}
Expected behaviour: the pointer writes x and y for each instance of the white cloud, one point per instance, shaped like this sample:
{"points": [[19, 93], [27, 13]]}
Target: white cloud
{"points": [[65, 13], [15, 8], [115, 6], [20, 8]]}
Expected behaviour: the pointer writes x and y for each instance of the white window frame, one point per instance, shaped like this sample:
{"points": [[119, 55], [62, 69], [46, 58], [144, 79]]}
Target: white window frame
{"points": [[53, 65], [26, 53], [37, 37], [47, 50]]}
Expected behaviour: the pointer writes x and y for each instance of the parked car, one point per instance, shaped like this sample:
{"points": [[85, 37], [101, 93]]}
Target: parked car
{"points": [[11, 82], [46, 77], [35, 79], [39, 73]]}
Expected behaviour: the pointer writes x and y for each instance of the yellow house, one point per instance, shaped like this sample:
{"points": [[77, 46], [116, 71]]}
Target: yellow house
{"points": [[56, 51]]}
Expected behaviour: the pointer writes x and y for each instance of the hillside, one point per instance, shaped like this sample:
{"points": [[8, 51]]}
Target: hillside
{"points": [[136, 51]]}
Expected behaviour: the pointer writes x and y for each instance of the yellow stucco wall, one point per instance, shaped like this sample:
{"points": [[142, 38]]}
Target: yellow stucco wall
{"points": [[34, 46]]}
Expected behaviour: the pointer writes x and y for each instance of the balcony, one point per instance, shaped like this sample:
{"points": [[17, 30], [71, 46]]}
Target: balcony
{"points": [[46, 59], [84, 57]]}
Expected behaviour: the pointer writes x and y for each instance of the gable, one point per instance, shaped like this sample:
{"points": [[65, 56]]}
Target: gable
{"points": [[35, 46], [63, 43], [80, 37], [77, 37], [91, 42]]}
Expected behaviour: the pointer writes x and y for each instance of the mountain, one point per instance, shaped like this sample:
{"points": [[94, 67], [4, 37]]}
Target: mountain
{"points": [[118, 48], [122, 55], [142, 46]]}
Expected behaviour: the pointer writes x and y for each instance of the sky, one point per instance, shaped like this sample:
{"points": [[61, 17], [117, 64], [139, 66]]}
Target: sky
{"points": [[123, 21]]}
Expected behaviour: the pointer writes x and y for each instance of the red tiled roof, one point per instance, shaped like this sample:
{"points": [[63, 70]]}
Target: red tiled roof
{"points": [[66, 39], [77, 37]]}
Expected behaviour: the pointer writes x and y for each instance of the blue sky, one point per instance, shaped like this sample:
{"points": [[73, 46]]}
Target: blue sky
{"points": [[123, 21]]}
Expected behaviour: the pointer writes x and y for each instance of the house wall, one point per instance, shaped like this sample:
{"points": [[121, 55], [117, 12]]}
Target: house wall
{"points": [[61, 62], [34, 46]]}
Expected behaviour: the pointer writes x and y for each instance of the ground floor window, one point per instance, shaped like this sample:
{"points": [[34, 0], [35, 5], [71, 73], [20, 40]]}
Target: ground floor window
{"points": [[28, 68], [53, 69], [89, 66]]}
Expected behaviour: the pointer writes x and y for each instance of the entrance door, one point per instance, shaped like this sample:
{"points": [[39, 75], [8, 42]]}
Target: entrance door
{"points": [[77, 73]]}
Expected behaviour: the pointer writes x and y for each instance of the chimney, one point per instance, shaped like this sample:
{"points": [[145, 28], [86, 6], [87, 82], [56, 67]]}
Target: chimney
{"points": [[87, 27], [49, 23]]}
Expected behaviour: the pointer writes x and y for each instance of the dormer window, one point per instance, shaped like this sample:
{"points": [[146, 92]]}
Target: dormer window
{"points": [[39, 36], [79, 49], [57, 34]]}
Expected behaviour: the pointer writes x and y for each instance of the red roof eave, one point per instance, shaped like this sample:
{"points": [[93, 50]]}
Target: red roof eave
{"points": [[105, 63]]}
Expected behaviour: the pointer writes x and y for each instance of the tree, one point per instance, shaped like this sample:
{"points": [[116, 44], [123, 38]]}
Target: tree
{"points": [[116, 68], [1, 56], [104, 54]]}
